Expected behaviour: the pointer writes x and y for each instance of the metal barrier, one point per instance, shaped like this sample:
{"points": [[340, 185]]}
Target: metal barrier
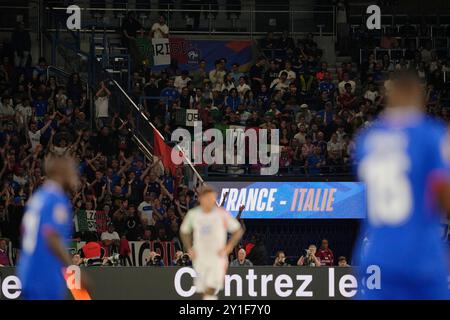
{"points": [[132, 111], [10, 14], [291, 171], [210, 19], [394, 54]]}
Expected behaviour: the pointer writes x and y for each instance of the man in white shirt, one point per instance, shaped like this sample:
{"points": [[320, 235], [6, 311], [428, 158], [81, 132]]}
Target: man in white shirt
{"points": [[345, 80], [145, 210], [216, 76], [280, 83], [110, 236], [160, 29], [182, 80], [291, 76], [300, 136], [35, 135], [243, 87], [102, 105], [204, 234], [6, 109], [334, 147], [371, 93], [24, 110]]}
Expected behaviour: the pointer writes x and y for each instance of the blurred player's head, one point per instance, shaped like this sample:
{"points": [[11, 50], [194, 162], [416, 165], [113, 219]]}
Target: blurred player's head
{"points": [[207, 198], [405, 91], [62, 170]]}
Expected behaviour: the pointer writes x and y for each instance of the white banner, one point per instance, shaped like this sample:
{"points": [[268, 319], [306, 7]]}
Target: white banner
{"points": [[161, 52]]}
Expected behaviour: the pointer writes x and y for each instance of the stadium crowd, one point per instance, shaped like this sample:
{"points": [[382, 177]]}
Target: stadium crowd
{"points": [[317, 109]]}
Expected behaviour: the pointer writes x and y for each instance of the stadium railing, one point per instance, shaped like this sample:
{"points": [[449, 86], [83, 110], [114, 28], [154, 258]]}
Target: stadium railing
{"points": [[246, 21], [10, 13], [130, 110]]}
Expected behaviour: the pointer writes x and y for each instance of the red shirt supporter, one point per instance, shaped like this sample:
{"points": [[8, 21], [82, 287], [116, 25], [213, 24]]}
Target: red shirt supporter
{"points": [[325, 254], [4, 259]]}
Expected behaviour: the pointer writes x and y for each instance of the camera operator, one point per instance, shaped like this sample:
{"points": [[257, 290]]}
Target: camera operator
{"points": [[155, 260], [309, 259], [280, 260], [182, 259], [111, 261]]}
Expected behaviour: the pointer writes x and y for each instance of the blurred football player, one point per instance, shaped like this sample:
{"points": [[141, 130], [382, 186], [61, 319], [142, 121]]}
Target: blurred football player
{"points": [[45, 227], [204, 233], [404, 160]]}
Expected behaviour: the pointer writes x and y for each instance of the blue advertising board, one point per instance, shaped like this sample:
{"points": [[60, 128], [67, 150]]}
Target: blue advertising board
{"points": [[294, 200]]}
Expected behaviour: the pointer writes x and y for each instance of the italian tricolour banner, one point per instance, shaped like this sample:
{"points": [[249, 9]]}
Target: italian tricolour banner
{"points": [[90, 220]]}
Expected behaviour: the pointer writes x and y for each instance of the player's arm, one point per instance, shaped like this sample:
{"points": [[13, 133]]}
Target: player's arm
{"points": [[186, 238], [234, 240], [186, 234], [58, 218], [236, 230], [57, 246]]}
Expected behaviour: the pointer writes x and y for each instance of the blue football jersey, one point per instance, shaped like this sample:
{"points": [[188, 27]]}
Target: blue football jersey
{"points": [[400, 159], [39, 270]]}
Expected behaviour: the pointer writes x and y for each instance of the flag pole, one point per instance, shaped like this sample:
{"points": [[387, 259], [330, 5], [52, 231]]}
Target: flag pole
{"points": [[159, 133]]}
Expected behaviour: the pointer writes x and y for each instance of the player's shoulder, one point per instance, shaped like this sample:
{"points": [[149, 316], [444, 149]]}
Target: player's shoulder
{"points": [[221, 211], [193, 212], [435, 128], [52, 196], [365, 132]]}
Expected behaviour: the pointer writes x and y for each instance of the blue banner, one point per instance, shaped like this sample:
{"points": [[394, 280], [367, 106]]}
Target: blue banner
{"points": [[189, 52], [294, 200]]}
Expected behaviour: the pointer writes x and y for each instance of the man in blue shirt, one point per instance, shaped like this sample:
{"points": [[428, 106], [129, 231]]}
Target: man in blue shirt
{"points": [[170, 92], [46, 225], [404, 159]]}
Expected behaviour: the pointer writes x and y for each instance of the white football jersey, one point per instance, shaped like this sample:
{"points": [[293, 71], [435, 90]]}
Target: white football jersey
{"points": [[209, 230]]}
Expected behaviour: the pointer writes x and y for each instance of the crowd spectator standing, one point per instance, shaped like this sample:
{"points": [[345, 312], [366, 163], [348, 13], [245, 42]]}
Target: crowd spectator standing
{"points": [[159, 29], [4, 259], [325, 254]]}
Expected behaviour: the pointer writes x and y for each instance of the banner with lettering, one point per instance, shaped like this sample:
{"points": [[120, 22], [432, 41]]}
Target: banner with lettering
{"points": [[154, 52], [90, 220], [161, 52], [140, 250], [294, 200], [158, 53]]}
